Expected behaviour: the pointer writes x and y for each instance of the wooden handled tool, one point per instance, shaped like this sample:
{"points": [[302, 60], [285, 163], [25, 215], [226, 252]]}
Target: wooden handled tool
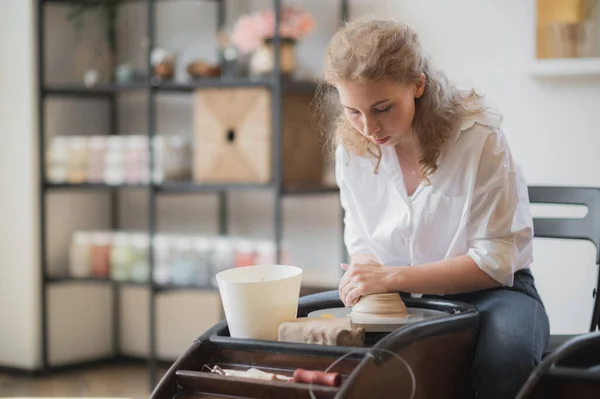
{"points": [[317, 377]]}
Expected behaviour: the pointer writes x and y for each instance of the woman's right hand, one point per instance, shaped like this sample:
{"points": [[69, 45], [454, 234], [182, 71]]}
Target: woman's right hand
{"points": [[363, 279]]}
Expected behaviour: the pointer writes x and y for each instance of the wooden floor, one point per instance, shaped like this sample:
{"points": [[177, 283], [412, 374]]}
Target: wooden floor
{"points": [[111, 381]]}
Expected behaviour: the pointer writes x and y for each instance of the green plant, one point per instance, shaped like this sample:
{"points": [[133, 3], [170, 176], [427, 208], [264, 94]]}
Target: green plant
{"points": [[109, 9]]}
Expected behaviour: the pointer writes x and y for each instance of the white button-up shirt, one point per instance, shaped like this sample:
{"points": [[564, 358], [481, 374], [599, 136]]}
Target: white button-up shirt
{"points": [[477, 204]]}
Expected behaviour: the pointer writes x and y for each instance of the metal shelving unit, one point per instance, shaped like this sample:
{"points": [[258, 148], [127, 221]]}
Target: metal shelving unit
{"points": [[109, 92]]}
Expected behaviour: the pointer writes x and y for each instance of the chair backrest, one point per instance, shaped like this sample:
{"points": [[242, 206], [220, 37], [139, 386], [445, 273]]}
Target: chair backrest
{"points": [[568, 372], [586, 228]]}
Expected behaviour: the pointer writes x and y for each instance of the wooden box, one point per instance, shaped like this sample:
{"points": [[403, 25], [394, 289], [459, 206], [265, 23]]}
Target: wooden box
{"points": [[233, 138]]}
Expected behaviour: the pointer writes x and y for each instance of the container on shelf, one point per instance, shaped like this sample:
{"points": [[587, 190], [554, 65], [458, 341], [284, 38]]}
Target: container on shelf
{"points": [[184, 266], [162, 259], [136, 160], [232, 138], [96, 155], [158, 148], [202, 251], [172, 158], [80, 255], [140, 266], [77, 160], [114, 166], [56, 160], [245, 253], [222, 257], [122, 256], [100, 254]]}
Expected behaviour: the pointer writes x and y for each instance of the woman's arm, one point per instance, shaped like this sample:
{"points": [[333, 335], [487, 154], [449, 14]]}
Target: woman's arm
{"points": [[363, 259], [450, 276]]}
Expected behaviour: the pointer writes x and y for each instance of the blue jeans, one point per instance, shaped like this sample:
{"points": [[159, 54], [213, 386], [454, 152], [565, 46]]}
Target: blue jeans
{"points": [[513, 334]]}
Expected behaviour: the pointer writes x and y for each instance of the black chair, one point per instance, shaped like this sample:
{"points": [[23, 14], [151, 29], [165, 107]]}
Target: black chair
{"points": [[571, 372], [571, 365], [586, 228]]}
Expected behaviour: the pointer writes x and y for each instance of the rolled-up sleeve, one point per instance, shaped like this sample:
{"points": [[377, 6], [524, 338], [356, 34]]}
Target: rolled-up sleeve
{"points": [[353, 239], [500, 227]]}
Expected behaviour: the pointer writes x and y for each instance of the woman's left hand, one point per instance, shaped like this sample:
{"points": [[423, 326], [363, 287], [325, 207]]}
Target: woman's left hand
{"points": [[363, 279]]}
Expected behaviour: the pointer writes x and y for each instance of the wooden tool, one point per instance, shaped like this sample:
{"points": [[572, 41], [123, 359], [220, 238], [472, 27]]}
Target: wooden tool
{"points": [[317, 377]]}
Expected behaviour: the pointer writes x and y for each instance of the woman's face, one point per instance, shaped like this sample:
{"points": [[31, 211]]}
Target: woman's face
{"points": [[381, 111]]}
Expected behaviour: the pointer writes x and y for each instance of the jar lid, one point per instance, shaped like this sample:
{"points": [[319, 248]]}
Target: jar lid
{"points": [[81, 238], [266, 247], [140, 240], [202, 244], [223, 244], [115, 142], [244, 245], [78, 142], [137, 142], [97, 142], [177, 140], [158, 141], [121, 239], [182, 243], [162, 242], [101, 238], [59, 141]]}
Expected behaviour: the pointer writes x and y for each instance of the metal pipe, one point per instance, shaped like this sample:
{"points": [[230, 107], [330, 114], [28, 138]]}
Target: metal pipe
{"points": [[41, 186], [277, 147], [152, 357]]}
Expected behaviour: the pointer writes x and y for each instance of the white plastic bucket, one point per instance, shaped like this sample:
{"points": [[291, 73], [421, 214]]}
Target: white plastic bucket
{"points": [[256, 299]]}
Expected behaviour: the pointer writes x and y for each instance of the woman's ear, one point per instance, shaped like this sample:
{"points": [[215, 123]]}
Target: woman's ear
{"points": [[420, 85]]}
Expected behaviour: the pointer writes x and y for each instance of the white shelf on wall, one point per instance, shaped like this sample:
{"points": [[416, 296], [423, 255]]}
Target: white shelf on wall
{"points": [[566, 67]]}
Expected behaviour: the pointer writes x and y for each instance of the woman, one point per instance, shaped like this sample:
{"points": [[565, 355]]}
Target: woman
{"points": [[428, 183]]}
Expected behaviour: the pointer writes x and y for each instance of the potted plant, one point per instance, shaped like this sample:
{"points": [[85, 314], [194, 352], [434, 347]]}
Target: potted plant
{"points": [[253, 33], [109, 10]]}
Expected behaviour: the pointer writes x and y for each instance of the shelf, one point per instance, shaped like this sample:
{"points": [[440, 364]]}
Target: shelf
{"points": [[107, 90], [289, 86], [305, 289], [566, 67], [91, 186], [97, 280], [176, 287], [310, 190], [126, 1], [182, 187], [189, 86], [101, 90], [192, 187]]}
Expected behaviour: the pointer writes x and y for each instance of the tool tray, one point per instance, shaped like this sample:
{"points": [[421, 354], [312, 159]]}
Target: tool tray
{"points": [[439, 353]]}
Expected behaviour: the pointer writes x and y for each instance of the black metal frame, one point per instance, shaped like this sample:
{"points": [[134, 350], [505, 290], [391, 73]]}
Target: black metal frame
{"points": [[574, 364], [586, 228], [110, 92]]}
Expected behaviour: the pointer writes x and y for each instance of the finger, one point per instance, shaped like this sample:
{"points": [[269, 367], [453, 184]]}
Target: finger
{"points": [[344, 281], [353, 296], [345, 266], [345, 290], [347, 276]]}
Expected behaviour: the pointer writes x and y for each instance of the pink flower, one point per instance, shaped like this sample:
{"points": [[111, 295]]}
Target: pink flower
{"points": [[251, 30]]}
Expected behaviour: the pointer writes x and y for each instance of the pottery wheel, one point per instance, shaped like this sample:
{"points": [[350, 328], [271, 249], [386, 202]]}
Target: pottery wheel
{"points": [[380, 313]]}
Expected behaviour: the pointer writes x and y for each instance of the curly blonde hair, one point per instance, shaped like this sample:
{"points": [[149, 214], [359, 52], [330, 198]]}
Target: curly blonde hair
{"points": [[373, 50]]}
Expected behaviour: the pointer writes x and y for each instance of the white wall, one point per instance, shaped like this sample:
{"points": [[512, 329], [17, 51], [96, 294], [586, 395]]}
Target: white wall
{"points": [[19, 241]]}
